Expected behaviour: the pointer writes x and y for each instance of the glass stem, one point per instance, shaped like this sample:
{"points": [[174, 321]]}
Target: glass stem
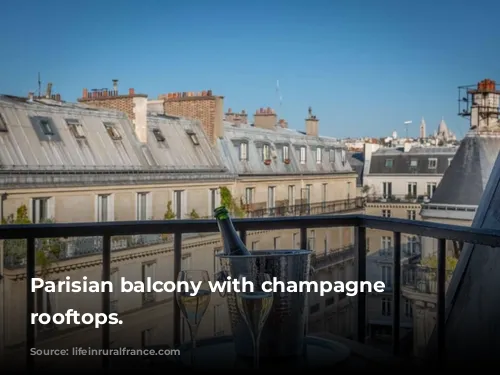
{"points": [[256, 351], [193, 330]]}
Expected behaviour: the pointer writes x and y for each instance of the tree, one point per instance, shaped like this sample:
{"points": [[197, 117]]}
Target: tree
{"points": [[230, 203], [48, 250]]}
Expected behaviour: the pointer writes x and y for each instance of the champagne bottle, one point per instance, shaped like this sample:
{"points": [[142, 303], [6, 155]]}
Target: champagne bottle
{"points": [[232, 243]]}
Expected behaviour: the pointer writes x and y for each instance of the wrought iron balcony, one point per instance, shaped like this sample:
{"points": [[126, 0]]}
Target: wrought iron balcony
{"points": [[396, 198], [422, 279], [179, 227]]}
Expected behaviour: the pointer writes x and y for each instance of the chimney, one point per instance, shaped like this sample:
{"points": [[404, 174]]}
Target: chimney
{"points": [[48, 93], [265, 118], [203, 106], [140, 117], [312, 124], [30, 96], [115, 87], [131, 92]]}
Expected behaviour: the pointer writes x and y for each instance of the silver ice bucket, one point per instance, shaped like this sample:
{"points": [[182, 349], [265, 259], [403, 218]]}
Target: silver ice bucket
{"points": [[283, 334]]}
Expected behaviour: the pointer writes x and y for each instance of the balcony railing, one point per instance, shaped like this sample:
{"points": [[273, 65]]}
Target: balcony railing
{"points": [[321, 261], [422, 279], [442, 232], [397, 198], [69, 248]]}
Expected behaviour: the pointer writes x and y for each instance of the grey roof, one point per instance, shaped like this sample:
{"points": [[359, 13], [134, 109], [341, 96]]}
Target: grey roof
{"points": [[464, 181], [415, 161], [30, 157], [357, 165], [277, 138]]}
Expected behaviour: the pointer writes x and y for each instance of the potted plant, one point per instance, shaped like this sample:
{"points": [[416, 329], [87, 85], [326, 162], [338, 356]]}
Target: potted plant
{"points": [[267, 161], [287, 161]]}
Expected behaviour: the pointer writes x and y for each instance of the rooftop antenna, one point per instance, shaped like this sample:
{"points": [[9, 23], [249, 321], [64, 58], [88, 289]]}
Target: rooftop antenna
{"points": [[280, 98], [406, 125], [39, 85]]}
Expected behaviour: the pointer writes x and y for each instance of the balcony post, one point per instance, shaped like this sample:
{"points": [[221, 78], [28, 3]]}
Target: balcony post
{"points": [[441, 301], [360, 246], [396, 293], [105, 296], [176, 323], [30, 303]]}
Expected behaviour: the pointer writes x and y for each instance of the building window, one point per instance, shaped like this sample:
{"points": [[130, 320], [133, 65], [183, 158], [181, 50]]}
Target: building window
{"points": [[266, 152], [3, 123], [302, 155], [386, 245], [46, 127], [186, 262], [276, 243], [286, 153], [408, 308], [386, 306], [143, 206], [255, 245], [291, 195], [412, 190], [386, 213], [431, 188], [332, 155], [179, 203], [295, 241], [433, 162], [319, 155], [271, 197], [324, 193], [213, 200], [387, 276], [104, 209], [40, 210], [218, 320], [414, 163], [412, 214], [388, 163], [147, 337], [158, 135], [76, 128], [311, 240], [387, 189], [112, 131], [193, 137], [244, 151], [148, 275], [412, 245], [249, 194]]}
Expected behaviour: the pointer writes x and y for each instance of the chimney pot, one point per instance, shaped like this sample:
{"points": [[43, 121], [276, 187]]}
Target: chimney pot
{"points": [[203, 93], [209, 93], [84, 93], [131, 91], [58, 97]]}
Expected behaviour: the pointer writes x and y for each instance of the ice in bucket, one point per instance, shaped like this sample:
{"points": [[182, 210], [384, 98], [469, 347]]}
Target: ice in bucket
{"points": [[283, 334]]}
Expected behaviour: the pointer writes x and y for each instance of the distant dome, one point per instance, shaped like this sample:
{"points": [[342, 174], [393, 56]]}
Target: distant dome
{"points": [[443, 128]]}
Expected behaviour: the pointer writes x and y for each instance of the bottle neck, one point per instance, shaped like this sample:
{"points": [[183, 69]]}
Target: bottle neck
{"points": [[230, 237]]}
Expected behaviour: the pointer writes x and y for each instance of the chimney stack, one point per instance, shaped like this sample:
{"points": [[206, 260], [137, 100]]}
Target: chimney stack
{"points": [[115, 87], [30, 96], [48, 93], [265, 118], [312, 124]]}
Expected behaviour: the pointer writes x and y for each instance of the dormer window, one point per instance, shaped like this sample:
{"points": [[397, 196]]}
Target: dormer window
{"points": [[194, 137], [244, 151], [112, 132], [266, 152], [3, 124], [433, 162], [414, 163], [158, 135], [75, 127], [319, 155], [46, 128], [303, 155], [286, 153], [388, 163], [332, 156]]}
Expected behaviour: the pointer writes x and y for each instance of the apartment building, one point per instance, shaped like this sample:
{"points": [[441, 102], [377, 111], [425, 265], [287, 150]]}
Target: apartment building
{"points": [[396, 182], [114, 157]]}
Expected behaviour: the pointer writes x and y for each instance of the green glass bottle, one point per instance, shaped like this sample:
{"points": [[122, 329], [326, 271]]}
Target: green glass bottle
{"points": [[232, 243]]}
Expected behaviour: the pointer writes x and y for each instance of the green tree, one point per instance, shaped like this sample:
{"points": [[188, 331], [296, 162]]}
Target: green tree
{"points": [[169, 215], [227, 200], [48, 250]]}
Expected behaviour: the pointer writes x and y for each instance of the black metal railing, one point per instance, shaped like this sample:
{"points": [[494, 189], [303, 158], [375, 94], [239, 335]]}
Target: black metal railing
{"points": [[422, 279], [106, 230], [319, 208], [396, 198], [323, 260]]}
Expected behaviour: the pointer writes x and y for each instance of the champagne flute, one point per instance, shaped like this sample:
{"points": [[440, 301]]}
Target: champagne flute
{"points": [[194, 305], [255, 306]]}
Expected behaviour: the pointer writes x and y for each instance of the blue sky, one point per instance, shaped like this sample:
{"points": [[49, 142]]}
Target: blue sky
{"points": [[364, 66]]}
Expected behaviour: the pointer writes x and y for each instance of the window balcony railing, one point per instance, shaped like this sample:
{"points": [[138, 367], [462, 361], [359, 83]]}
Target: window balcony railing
{"points": [[396, 198], [107, 230], [422, 279]]}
